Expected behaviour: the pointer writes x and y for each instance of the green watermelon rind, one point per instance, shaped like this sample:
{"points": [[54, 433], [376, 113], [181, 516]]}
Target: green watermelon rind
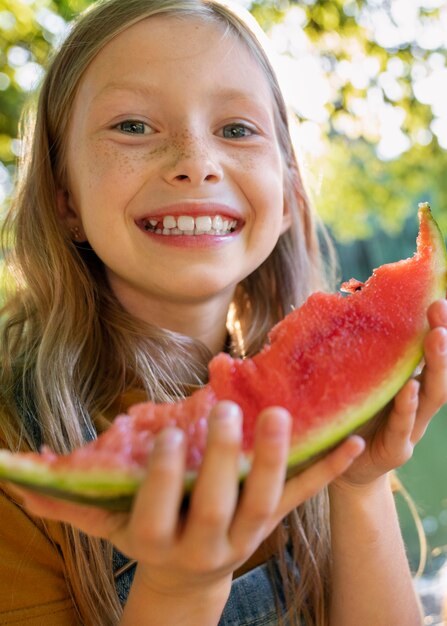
{"points": [[33, 471], [111, 489], [108, 489], [115, 489], [350, 421]]}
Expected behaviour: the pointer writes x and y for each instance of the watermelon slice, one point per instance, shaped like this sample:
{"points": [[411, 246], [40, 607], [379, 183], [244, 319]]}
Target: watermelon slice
{"points": [[333, 363]]}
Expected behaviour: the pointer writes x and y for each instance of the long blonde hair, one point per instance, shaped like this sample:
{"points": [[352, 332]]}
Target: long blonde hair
{"points": [[69, 348]]}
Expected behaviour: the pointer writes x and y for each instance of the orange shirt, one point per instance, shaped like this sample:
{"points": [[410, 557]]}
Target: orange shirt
{"points": [[33, 589]]}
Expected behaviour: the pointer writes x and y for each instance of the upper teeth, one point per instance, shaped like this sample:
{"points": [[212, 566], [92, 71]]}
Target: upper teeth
{"points": [[186, 224]]}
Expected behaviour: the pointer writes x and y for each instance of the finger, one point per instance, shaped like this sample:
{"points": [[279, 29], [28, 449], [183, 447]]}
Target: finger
{"points": [[433, 392], [437, 317], [216, 490], [264, 484], [155, 514], [398, 430], [437, 313], [91, 520], [312, 480]]}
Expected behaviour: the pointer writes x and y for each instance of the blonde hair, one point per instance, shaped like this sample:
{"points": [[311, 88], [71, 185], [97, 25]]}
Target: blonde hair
{"points": [[68, 347]]}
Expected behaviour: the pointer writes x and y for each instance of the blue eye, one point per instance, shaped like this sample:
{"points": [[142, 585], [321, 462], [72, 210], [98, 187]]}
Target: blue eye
{"points": [[236, 131], [133, 127]]}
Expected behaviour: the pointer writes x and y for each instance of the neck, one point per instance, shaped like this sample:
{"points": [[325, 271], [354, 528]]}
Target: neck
{"points": [[203, 320]]}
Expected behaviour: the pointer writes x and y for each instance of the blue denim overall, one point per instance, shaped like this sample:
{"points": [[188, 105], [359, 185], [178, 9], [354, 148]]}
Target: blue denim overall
{"points": [[252, 600]]}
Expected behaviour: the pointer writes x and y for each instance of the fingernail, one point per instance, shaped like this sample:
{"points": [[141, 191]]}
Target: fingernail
{"points": [[170, 439], [228, 411], [358, 445], [277, 424]]}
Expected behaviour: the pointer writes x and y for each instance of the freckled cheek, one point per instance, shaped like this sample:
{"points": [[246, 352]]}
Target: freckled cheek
{"points": [[262, 175], [107, 162], [264, 159], [104, 170]]}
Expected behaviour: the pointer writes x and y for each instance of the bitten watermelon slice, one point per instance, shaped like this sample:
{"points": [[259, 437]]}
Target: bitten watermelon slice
{"points": [[333, 363]]}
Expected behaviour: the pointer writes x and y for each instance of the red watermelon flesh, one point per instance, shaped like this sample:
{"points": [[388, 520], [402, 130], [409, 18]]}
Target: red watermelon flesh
{"points": [[127, 444], [146, 419], [333, 363], [331, 353]]}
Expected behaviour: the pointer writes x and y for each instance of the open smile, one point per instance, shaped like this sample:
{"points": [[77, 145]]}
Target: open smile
{"points": [[171, 225]]}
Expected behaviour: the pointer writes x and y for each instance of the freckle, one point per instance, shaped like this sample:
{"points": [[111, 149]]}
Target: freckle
{"points": [[250, 163], [246, 163], [156, 151], [105, 156]]}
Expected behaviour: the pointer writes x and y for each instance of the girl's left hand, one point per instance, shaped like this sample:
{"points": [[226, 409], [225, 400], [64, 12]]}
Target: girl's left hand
{"points": [[392, 444]]}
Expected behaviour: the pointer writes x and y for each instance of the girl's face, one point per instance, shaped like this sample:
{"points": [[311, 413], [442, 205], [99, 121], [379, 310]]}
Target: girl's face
{"points": [[175, 173]]}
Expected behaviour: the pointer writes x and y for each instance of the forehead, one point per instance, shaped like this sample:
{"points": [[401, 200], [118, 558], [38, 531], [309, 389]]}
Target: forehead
{"points": [[172, 50]]}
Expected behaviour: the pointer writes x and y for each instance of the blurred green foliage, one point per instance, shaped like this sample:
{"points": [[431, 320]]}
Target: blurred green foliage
{"points": [[360, 194], [355, 188]]}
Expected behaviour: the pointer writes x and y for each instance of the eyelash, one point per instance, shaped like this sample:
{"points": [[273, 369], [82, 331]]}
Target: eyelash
{"points": [[248, 131], [133, 124]]}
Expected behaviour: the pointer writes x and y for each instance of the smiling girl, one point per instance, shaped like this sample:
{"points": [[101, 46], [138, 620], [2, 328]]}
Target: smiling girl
{"points": [[161, 192]]}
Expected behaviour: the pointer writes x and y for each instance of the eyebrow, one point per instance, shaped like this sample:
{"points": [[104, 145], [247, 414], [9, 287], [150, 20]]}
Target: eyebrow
{"points": [[152, 90], [129, 87]]}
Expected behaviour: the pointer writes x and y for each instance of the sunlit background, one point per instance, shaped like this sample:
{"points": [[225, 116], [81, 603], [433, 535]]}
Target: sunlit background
{"points": [[367, 83]]}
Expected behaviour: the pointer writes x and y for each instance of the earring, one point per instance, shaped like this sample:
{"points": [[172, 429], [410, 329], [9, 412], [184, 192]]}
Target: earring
{"points": [[75, 233]]}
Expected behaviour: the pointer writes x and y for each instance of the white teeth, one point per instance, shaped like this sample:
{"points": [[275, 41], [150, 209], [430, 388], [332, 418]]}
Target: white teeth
{"points": [[217, 222], [188, 225], [185, 222], [169, 222], [203, 223]]}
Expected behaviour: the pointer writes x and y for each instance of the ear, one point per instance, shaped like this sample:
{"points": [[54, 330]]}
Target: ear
{"points": [[286, 219], [68, 215]]}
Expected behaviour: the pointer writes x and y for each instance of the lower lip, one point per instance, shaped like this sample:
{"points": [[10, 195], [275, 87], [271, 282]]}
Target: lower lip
{"points": [[191, 241]]}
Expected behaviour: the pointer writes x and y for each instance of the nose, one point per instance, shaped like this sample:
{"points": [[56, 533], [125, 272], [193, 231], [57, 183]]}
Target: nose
{"points": [[192, 162]]}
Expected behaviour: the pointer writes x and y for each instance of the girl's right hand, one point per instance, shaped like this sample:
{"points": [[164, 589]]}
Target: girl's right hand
{"points": [[222, 526]]}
